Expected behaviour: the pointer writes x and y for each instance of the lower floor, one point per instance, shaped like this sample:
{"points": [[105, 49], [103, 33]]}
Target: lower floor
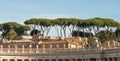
{"points": [[85, 59]]}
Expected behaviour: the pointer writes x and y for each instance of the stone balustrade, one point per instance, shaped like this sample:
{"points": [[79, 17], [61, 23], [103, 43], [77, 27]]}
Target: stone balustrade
{"points": [[42, 49], [38, 53]]}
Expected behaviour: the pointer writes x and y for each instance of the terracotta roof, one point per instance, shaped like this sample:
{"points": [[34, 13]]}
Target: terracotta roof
{"points": [[52, 42], [76, 40], [22, 41], [105, 44]]}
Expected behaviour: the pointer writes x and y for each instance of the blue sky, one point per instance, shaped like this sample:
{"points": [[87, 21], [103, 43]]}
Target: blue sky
{"points": [[21, 10]]}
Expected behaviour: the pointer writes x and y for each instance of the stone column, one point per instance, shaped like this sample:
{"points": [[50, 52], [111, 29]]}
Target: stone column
{"points": [[63, 59], [70, 46], [22, 59], [50, 59], [30, 59], [57, 46], [118, 44], [8, 48], [108, 44], [8, 59], [43, 59], [77, 46], [30, 48], [1, 46], [36, 59], [0, 59], [83, 45], [76, 59], [88, 59], [98, 59], [37, 47], [113, 59], [64, 46], [15, 59], [15, 48], [57, 59], [97, 43], [22, 48], [43, 48], [118, 58], [50, 47], [108, 59], [114, 43]]}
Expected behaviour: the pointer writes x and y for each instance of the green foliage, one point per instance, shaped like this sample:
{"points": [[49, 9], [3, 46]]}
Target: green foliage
{"points": [[1, 27], [10, 25], [117, 32], [10, 30], [92, 25], [10, 34], [40, 23], [81, 34], [34, 32], [66, 21], [22, 30], [106, 36], [91, 41]]}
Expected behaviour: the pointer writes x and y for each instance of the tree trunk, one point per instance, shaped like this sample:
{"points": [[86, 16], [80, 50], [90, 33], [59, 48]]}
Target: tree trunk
{"points": [[64, 29], [48, 29], [57, 30], [61, 31]]}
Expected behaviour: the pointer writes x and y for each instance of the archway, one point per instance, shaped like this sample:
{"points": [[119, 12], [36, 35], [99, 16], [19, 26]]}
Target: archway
{"points": [[12, 59], [19, 59], [60, 59], [92, 59], [4, 60], [33, 59], [46, 59], [26, 59], [79, 59], [53, 59], [66, 59], [40, 60], [72, 60]]}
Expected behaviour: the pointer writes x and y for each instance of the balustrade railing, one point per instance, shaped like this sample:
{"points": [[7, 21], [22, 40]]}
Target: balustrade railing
{"points": [[42, 49]]}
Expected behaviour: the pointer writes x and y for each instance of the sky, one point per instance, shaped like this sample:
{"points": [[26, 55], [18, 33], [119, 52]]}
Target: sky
{"points": [[22, 10]]}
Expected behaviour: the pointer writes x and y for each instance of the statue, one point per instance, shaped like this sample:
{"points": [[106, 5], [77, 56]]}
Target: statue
{"points": [[96, 43]]}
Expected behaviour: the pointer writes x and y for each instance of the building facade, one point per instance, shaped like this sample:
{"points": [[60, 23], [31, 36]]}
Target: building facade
{"points": [[22, 53]]}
